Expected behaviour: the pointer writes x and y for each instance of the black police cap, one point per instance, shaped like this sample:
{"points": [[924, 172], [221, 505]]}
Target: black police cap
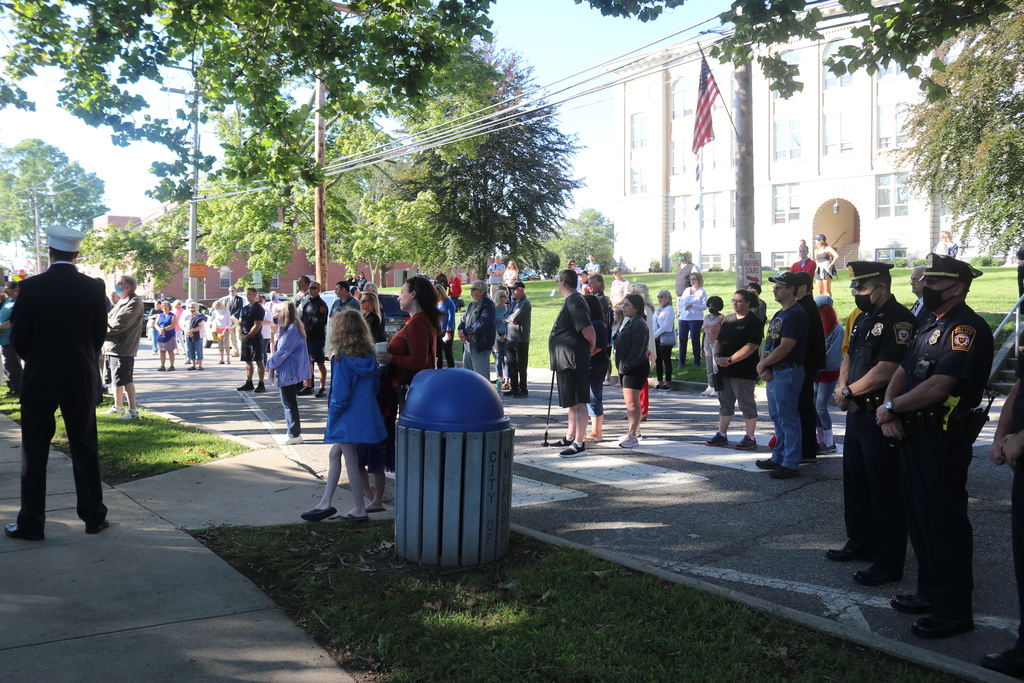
{"points": [[947, 266], [865, 270]]}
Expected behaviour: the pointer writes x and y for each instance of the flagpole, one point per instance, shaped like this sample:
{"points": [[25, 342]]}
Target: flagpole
{"points": [[700, 209]]}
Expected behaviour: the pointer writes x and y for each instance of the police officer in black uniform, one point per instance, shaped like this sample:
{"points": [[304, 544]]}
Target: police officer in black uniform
{"points": [[1007, 447], [932, 409], [875, 520]]}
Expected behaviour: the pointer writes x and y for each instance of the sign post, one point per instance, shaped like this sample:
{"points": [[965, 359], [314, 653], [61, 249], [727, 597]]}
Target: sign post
{"points": [[751, 267]]}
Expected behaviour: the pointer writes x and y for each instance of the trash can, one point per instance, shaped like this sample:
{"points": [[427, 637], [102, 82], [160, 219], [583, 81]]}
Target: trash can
{"points": [[453, 471]]}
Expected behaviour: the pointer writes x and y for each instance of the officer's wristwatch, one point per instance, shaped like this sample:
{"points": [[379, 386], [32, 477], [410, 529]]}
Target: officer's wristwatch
{"points": [[846, 392], [888, 406]]}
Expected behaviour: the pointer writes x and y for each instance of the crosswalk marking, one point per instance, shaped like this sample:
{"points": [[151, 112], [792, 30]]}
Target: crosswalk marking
{"points": [[531, 492], [603, 469]]}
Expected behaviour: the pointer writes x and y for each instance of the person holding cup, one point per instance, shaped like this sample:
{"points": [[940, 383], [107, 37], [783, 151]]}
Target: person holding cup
{"points": [[412, 349]]}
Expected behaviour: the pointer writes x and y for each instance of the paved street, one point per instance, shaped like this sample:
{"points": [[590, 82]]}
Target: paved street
{"points": [[673, 502]]}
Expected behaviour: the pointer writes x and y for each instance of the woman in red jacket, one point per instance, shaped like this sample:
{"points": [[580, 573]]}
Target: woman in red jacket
{"points": [[414, 348]]}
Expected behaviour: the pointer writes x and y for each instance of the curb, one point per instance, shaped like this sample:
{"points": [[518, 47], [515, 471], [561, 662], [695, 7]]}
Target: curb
{"points": [[895, 648], [224, 435]]}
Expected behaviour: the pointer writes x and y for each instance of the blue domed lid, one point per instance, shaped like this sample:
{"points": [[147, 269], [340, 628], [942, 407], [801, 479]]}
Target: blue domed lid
{"points": [[453, 400]]}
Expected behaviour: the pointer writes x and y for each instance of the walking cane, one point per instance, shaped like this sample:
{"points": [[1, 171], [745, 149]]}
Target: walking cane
{"points": [[551, 394]]}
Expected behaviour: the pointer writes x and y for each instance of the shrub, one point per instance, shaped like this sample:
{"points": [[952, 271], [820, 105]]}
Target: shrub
{"points": [[986, 261], [899, 263], [716, 269], [919, 262], [655, 266]]}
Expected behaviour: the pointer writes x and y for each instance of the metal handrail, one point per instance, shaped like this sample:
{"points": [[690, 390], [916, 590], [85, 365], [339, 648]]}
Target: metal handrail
{"points": [[1015, 311]]}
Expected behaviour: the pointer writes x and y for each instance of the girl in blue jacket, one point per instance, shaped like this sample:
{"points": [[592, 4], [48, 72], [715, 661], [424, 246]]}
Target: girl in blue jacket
{"points": [[352, 412], [290, 365]]}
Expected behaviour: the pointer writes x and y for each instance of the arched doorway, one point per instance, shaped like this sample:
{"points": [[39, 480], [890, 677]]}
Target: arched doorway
{"points": [[839, 221]]}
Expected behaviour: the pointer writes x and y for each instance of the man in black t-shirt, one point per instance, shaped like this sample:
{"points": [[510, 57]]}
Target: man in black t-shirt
{"points": [[251, 320], [314, 318], [814, 362], [569, 346]]}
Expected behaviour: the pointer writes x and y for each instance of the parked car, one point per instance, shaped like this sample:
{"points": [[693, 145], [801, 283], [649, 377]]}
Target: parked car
{"points": [[394, 317], [528, 275]]}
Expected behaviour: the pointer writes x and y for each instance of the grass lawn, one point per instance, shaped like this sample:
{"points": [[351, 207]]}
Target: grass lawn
{"points": [[130, 449], [993, 295], [542, 614]]}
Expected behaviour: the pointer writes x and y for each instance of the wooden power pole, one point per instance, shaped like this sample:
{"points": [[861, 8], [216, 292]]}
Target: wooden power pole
{"points": [[320, 198]]}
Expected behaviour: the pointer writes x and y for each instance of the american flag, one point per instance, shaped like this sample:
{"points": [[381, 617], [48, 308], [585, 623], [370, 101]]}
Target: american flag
{"points": [[703, 132]]}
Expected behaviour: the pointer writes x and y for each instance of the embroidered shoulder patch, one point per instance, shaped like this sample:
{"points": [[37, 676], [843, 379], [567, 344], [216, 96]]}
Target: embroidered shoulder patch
{"points": [[963, 337], [903, 332]]}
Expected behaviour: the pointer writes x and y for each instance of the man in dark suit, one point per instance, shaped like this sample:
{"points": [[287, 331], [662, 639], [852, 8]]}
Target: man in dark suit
{"points": [[60, 371]]}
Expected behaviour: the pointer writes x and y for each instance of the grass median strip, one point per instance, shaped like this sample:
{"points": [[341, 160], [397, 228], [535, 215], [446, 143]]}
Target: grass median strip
{"points": [[130, 449], [542, 614]]}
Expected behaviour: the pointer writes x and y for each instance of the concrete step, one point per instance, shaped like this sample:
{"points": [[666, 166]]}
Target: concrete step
{"points": [[1001, 387]]}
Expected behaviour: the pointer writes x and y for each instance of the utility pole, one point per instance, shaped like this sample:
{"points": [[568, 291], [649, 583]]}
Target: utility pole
{"points": [[320, 195], [193, 208], [744, 169]]}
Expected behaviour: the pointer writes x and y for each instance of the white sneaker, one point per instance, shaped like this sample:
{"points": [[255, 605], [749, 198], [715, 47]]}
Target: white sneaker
{"points": [[113, 410], [706, 392], [713, 393], [290, 440], [629, 441], [132, 414]]}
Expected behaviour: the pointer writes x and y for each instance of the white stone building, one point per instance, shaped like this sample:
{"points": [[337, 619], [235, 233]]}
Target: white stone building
{"points": [[821, 161]]}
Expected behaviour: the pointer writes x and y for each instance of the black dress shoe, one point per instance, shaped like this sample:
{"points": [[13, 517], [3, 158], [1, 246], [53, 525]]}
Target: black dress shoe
{"points": [[850, 553], [1010, 662], [13, 531], [506, 393], [910, 604], [876, 577], [940, 627], [96, 528], [521, 394]]}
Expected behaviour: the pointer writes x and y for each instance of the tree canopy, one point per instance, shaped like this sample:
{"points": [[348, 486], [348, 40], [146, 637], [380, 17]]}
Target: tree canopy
{"points": [[967, 150], [589, 233], [34, 172]]}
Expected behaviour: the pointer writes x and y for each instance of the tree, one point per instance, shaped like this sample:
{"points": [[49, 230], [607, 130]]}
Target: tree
{"points": [[155, 250], [968, 150], [240, 51], [509, 195], [589, 233], [33, 173]]}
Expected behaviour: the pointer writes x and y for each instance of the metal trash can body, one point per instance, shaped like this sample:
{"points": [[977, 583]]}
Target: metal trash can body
{"points": [[453, 471]]}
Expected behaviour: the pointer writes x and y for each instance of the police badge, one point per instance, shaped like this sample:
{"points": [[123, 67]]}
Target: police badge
{"points": [[877, 329], [935, 337]]}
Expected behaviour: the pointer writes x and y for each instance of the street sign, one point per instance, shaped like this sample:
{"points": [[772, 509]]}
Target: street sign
{"points": [[257, 278], [751, 267], [197, 270]]}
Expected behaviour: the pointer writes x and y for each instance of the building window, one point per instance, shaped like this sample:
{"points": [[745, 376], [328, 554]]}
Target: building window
{"points": [[892, 195], [638, 130], [682, 213], [682, 98], [890, 70], [639, 181], [789, 57], [732, 262], [274, 282], [838, 135], [225, 278], [887, 255], [709, 261], [679, 156], [831, 80], [717, 210], [782, 260], [891, 120], [786, 202], [787, 140]]}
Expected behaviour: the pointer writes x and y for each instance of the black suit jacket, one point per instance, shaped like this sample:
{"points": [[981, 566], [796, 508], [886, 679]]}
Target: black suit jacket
{"points": [[58, 326]]}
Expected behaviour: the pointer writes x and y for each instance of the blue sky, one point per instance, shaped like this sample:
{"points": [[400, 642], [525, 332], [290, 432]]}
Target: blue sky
{"points": [[557, 37]]}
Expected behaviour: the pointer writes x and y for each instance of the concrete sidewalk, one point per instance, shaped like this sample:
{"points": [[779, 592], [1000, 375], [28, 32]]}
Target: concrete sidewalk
{"points": [[143, 600]]}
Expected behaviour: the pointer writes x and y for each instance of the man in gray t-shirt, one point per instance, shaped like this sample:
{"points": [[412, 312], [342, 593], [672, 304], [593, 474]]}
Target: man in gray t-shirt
{"points": [[569, 346]]}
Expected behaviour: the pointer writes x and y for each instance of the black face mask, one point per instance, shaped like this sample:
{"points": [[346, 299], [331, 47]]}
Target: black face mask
{"points": [[932, 298], [863, 302]]}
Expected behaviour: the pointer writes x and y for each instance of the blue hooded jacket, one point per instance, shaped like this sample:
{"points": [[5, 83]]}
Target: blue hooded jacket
{"points": [[352, 411], [291, 358]]}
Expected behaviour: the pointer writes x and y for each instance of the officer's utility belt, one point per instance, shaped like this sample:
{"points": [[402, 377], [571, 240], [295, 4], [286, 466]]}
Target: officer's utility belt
{"points": [[869, 402], [950, 417]]}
